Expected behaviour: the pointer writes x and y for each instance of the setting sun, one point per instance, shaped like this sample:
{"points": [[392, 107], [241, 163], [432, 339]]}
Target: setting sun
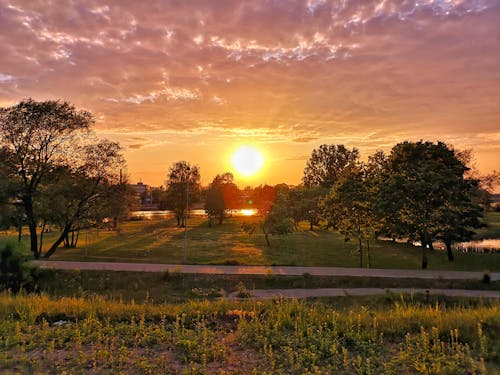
{"points": [[247, 160]]}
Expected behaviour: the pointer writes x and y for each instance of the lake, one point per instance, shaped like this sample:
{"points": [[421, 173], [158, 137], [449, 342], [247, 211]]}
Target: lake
{"points": [[150, 215], [489, 245]]}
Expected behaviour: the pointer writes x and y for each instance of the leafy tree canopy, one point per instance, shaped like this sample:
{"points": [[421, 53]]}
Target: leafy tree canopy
{"points": [[327, 163]]}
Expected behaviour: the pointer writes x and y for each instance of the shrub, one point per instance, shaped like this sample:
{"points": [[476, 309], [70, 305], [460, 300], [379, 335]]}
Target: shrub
{"points": [[15, 271]]}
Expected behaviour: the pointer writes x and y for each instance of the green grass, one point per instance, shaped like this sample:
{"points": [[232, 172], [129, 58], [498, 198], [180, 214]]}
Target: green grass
{"points": [[41, 334], [172, 287], [492, 229], [161, 241]]}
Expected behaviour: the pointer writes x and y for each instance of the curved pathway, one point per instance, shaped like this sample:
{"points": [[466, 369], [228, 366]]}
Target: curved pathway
{"points": [[266, 270], [343, 292]]}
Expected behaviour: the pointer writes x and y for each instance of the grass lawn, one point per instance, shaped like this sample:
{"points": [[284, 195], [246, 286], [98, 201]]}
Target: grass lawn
{"points": [[160, 241], [492, 229], [383, 335]]}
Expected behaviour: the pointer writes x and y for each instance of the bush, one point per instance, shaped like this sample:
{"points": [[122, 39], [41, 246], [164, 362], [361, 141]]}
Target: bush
{"points": [[15, 271]]}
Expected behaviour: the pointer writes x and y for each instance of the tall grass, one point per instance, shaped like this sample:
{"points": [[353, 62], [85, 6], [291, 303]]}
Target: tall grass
{"points": [[47, 334]]}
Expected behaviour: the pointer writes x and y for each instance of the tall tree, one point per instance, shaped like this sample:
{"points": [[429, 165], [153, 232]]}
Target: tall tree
{"points": [[222, 194], [349, 208], [461, 215], [422, 182], [263, 198], [304, 204], [183, 184], [80, 194], [38, 137], [327, 163]]}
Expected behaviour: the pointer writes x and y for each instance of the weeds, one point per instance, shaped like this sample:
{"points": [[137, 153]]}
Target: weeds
{"points": [[99, 335]]}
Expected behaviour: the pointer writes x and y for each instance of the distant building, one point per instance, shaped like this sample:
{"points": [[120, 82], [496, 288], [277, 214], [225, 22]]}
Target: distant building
{"points": [[145, 195]]}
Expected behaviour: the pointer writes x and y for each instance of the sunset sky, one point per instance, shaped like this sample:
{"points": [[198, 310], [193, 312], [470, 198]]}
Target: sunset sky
{"points": [[193, 80]]}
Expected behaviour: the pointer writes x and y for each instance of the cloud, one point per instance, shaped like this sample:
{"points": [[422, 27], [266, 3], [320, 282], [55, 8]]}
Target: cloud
{"points": [[6, 78], [136, 146], [304, 139], [295, 72]]}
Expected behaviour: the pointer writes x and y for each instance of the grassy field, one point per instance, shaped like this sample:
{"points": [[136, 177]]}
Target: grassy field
{"points": [[387, 335], [492, 229], [161, 241], [148, 323]]}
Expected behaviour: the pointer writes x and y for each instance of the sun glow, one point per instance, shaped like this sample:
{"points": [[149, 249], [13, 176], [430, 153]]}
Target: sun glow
{"points": [[247, 160], [248, 211]]}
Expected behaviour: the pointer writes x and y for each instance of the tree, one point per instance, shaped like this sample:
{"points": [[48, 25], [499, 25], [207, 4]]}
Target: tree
{"points": [[263, 198], [326, 165], [120, 200], [80, 194], [183, 183], [276, 221], [231, 193], [304, 205], [221, 195], [422, 182], [349, 208], [487, 185], [37, 137], [461, 215]]}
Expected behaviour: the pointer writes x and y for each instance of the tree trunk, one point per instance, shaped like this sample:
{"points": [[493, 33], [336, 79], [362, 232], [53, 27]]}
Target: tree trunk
{"points": [[311, 226], [448, 250], [424, 252], [74, 239], [368, 253], [267, 239], [360, 252], [431, 245], [424, 257], [267, 236], [56, 244], [33, 239], [41, 238], [66, 240], [177, 216], [28, 206], [19, 232]]}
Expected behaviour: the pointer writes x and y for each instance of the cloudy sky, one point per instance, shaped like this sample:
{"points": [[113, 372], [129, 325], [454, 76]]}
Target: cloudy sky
{"points": [[192, 80]]}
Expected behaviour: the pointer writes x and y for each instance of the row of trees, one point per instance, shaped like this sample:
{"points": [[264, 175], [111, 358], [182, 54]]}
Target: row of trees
{"points": [[421, 192], [54, 172]]}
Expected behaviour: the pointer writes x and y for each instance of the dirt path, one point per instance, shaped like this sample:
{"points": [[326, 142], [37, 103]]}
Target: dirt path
{"points": [[267, 270], [339, 292]]}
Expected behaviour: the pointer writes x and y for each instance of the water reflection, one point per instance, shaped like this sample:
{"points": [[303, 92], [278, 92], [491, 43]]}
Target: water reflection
{"points": [[490, 245], [165, 214], [483, 246]]}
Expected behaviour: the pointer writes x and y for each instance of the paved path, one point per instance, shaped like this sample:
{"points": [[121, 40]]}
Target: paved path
{"points": [[266, 270], [339, 292]]}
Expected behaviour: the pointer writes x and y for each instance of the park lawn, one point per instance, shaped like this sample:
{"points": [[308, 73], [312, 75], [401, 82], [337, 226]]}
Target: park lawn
{"points": [[379, 335], [492, 228], [160, 241]]}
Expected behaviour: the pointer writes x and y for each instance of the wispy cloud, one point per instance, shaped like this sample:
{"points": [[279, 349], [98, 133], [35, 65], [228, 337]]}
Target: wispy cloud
{"points": [[298, 72]]}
